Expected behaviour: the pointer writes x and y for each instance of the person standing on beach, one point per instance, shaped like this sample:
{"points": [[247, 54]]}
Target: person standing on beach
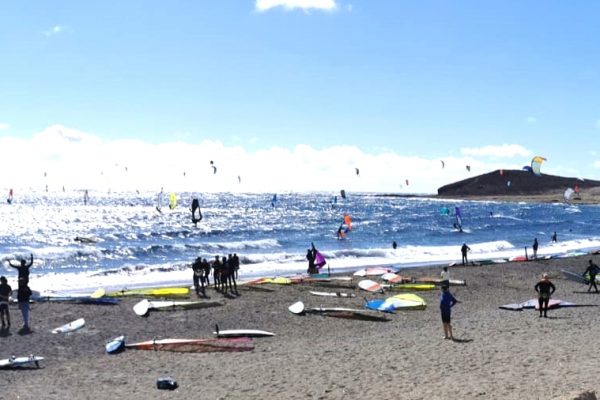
{"points": [[310, 256], [5, 292], [447, 301], [236, 264], [464, 250], [544, 288], [535, 248], [592, 270], [198, 273], [23, 269], [206, 276], [445, 275], [23, 296]]}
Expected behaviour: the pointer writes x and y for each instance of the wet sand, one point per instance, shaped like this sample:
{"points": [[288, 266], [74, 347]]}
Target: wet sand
{"points": [[498, 354]]}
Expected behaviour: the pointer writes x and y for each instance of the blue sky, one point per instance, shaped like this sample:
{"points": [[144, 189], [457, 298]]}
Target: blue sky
{"points": [[410, 82]]}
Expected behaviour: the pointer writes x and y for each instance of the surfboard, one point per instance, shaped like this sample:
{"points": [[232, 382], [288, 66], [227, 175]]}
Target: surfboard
{"points": [[512, 307], [413, 286], [144, 306], [297, 308], [15, 362], [152, 292], [235, 344], [70, 327], [116, 345], [348, 313], [332, 294], [370, 286], [392, 277], [242, 333]]}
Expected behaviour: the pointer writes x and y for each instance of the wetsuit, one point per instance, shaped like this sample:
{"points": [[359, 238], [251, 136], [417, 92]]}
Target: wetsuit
{"points": [[198, 273], [593, 270], [545, 288], [23, 269], [464, 249], [447, 301]]}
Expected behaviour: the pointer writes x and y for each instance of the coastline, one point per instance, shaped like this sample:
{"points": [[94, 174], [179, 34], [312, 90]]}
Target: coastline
{"points": [[499, 354]]}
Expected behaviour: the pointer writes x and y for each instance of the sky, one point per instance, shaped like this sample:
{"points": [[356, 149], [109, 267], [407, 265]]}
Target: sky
{"points": [[294, 95]]}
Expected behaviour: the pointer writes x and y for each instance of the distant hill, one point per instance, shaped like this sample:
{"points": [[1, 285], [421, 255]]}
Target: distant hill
{"points": [[513, 183]]}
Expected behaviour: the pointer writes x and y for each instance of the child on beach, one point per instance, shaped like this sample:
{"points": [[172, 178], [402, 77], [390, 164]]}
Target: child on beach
{"points": [[5, 292], [544, 288], [447, 301]]}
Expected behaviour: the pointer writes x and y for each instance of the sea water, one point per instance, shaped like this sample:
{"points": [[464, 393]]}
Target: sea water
{"points": [[132, 244]]}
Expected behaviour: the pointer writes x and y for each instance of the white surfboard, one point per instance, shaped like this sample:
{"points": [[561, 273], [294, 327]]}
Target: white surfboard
{"points": [[21, 361], [242, 332], [70, 327], [297, 308], [332, 294]]}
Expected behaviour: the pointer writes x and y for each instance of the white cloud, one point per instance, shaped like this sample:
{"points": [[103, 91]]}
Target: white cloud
{"points": [[501, 151], [80, 160], [55, 30], [531, 120], [327, 5], [4, 126]]}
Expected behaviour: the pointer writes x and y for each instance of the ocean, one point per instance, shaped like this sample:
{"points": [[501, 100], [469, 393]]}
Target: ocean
{"points": [[132, 244]]}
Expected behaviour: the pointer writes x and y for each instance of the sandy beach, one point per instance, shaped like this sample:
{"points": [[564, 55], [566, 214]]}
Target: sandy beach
{"points": [[498, 354]]}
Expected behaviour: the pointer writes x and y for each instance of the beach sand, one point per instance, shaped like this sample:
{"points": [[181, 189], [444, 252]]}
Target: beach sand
{"points": [[498, 355]]}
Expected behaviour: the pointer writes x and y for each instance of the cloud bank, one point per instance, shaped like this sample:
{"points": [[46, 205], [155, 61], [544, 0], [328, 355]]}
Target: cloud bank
{"points": [[502, 151], [61, 156], [326, 5]]}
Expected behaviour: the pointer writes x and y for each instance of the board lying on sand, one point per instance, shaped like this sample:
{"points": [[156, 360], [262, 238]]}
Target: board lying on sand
{"points": [[116, 345], [241, 333], [15, 362], [195, 345], [152, 292], [110, 301], [332, 294], [373, 271], [370, 286], [412, 286], [70, 327], [144, 306], [348, 313], [534, 304], [392, 277], [438, 281]]}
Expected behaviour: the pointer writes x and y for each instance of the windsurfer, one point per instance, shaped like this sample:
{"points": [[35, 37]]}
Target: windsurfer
{"points": [[592, 270], [553, 239], [394, 245], [544, 288]]}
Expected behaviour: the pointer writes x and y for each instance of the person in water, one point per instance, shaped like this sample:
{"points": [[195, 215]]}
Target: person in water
{"points": [[5, 292], [394, 245], [592, 270], [340, 232], [23, 269], [535, 248], [447, 301], [464, 250], [553, 238], [544, 288]]}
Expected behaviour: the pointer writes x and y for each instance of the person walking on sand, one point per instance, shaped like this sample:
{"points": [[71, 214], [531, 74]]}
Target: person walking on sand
{"points": [[5, 292], [544, 288], [445, 275], [535, 248], [23, 296], [447, 301], [23, 269], [592, 270], [464, 250]]}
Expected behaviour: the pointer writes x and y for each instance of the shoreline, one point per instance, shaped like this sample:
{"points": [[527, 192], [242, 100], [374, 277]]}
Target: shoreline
{"points": [[498, 353]]}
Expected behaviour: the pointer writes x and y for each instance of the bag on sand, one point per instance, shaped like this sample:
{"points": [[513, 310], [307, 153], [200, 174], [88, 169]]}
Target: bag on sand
{"points": [[166, 383]]}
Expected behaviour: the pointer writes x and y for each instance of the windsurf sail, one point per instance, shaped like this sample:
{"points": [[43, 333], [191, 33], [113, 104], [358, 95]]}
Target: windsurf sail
{"points": [[568, 194], [536, 165], [458, 223], [343, 193], [274, 200], [196, 213], [160, 201], [319, 260], [172, 201]]}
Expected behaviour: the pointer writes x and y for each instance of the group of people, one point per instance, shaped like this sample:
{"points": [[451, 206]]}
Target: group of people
{"points": [[225, 274], [23, 294]]}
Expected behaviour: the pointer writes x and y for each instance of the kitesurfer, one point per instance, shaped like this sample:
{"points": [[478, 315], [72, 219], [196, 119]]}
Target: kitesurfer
{"points": [[196, 207], [447, 301], [544, 288], [23, 269], [535, 248], [5, 292], [592, 270], [464, 250]]}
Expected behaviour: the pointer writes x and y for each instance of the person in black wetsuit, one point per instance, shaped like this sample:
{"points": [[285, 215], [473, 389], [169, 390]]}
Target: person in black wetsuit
{"points": [[544, 288], [535, 248], [310, 256], [198, 274], [23, 269], [464, 250], [593, 270]]}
